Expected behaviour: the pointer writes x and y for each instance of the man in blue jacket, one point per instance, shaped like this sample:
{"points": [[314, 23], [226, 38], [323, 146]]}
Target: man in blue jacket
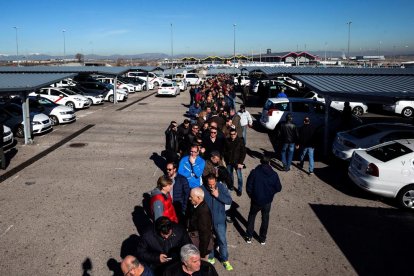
{"points": [[262, 185], [181, 190], [217, 196], [192, 167]]}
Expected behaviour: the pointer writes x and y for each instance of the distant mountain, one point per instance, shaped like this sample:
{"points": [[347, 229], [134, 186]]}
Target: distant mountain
{"points": [[37, 56]]}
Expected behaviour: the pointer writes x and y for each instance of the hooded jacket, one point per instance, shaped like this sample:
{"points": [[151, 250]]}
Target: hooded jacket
{"points": [[262, 184], [216, 204]]}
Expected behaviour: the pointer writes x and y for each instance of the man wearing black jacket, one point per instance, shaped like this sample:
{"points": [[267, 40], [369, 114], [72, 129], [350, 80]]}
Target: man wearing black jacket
{"points": [[288, 136], [162, 243], [307, 143], [171, 142], [262, 185], [234, 155]]}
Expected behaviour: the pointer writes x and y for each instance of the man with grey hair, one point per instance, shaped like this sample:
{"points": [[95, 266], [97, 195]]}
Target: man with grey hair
{"points": [[130, 266], [199, 221], [191, 264]]}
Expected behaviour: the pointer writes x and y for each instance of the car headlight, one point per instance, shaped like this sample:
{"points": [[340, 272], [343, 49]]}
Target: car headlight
{"points": [[35, 123], [78, 99], [63, 113]]}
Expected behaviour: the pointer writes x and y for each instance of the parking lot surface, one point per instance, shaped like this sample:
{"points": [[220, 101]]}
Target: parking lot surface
{"points": [[77, 209]]}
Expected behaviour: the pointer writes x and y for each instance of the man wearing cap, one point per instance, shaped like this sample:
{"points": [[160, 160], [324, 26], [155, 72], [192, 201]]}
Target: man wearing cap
{"points": [[245, 121]]}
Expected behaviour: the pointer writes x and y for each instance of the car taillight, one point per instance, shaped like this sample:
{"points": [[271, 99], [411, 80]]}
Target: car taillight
{"points": [[372, 169], [348, 144], [270, 112]]}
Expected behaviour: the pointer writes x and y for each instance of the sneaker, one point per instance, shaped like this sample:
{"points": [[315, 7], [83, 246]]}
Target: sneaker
{"points": [[212, 260], [262, 242], [248, 239], [227, 266], [310, 173]]}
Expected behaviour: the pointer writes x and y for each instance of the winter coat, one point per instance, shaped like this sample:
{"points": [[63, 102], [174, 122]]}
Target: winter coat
{"points": [[199, 219], [161, 205], [234, 151], [216, 204], [194, 172], [262, 184], [181, 192]]}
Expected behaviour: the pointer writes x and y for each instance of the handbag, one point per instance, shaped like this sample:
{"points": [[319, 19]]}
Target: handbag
{"points": [[195, 239]]}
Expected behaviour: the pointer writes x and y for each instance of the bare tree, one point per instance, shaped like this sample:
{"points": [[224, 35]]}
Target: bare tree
{"points": [[79, 57]]}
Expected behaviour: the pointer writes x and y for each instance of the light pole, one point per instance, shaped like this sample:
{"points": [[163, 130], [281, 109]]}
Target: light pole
{"points": [[172, 52], [234, 49], [349, 37], [325, 49], [17, 47], [64, 45]]}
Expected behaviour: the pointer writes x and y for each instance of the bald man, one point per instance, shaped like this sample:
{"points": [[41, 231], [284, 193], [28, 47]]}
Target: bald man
{"points": [[130, 266]]}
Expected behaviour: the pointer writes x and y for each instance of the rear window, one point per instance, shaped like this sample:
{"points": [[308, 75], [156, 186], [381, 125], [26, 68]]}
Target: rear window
{"points": [[364, 131], [167, 84], [191, 76], [300, 107], [389, 152]]}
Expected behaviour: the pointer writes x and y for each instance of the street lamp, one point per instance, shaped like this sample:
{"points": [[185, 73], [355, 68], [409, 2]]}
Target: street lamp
{"points": [[172, 51], [17, 47], [64, 45], [234, 49], [349, 37]]}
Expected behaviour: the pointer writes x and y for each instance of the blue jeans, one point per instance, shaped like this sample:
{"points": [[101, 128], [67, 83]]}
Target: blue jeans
{"points": [[254, 209], [290, 148], [308, 151], [244, 128], [221, 240], [230, 169]]}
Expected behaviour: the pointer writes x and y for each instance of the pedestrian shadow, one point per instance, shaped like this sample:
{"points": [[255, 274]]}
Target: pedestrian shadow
{"points": [[158, 160], [114, 266], [239, 222], [140, 216], [86, 267]]}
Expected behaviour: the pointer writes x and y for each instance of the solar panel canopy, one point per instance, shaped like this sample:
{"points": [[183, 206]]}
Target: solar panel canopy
{"points": [[18, 82]]}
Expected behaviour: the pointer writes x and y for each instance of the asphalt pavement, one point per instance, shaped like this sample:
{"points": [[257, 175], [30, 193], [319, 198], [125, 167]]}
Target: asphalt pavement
{"points": [[71, 203]]}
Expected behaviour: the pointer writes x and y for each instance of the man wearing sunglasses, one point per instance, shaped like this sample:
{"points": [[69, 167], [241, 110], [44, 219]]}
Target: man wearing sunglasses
{"points": [[192, 167]]}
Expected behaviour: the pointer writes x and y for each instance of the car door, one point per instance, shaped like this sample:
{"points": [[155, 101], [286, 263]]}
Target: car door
{"points": [[56, 96]]}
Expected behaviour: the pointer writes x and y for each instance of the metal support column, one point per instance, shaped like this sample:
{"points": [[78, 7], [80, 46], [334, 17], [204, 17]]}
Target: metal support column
{"points": [[328, 101], [147, 81], [27, 124], [115, 88]]}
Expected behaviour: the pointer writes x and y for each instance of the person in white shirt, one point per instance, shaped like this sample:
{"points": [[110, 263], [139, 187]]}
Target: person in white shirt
{"points": [[245, 121]]}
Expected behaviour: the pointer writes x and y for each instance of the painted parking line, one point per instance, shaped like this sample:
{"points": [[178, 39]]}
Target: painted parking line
{"points": [[7, 230]]}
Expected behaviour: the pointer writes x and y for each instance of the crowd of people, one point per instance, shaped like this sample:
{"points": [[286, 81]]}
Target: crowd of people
{"points": [[191, 204]]}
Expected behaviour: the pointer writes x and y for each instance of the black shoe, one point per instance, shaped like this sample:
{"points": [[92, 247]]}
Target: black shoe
{"points": [[248, 239], [238, 193], [229, 220], [262, 241]]}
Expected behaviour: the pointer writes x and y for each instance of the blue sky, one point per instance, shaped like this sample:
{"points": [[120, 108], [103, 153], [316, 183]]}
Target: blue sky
{"points": [[204, 27]]}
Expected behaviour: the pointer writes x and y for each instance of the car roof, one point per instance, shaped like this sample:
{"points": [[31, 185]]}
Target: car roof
{"points": [[285, 100], [390, 126]]}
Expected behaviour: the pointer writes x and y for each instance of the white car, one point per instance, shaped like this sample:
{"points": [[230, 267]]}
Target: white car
{"points": [[192, 78], [168, 88], [131, 88], [7, 137], [12, 116], [245, 80], [63, 96], [386, 170], [152, 77], [255, 87], [357, 108], [405, 108], [276, 109], [64, 82], [181, 83], [362, 137], [58, 114]]}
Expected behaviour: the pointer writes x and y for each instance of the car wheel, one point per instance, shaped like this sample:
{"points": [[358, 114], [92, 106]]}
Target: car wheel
{"points": [[144, 88], [54, 120], [20, 131], [111, 98], [71, 105], [358, 111], [405, 197], [90, 101], [407, 112]]}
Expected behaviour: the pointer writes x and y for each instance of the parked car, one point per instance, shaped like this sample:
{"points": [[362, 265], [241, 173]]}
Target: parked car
{"points": [[357, 108], [405, 108], [276, 109], [63, 96], [275, 85], [94, 98], [8, 137], [152, 77], [12, 116], [131, 88], [386, 170], [58, 114], [369, 135], [168, 88], [64, 82], [137, 81], [192, 78], [181, 83], [100, 87], [245, 80]]}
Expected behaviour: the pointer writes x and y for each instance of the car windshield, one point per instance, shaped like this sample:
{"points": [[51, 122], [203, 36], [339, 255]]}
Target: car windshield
{"points": [[70, 92], [364, 131], [44, 102], [389, 152]]}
